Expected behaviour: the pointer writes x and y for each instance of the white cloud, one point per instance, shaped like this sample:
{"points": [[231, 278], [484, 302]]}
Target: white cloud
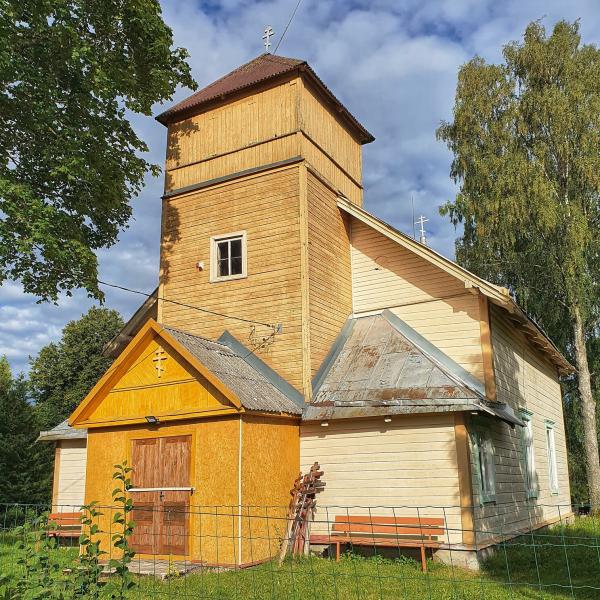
{"points": [[394, 65]]}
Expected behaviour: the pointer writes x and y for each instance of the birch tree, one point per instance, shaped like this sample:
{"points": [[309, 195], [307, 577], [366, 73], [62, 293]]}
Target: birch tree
{"points": [[526, 143]]}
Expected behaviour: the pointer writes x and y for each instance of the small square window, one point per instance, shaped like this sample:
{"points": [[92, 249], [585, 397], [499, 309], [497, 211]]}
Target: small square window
{"points": [[228, 256]]}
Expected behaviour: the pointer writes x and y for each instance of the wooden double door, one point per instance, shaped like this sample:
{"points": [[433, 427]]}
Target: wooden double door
{"points": [[161, 495]]}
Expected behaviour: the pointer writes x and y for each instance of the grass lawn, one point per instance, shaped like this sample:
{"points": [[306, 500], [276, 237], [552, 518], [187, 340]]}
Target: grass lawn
{"points": [[555, 563]]}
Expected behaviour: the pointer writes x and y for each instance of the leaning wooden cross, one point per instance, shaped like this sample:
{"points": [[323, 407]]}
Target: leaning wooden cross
{"points": [[301, 511]]}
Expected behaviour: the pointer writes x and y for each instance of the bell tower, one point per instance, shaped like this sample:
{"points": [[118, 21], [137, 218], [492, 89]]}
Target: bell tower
{"points": [[251, 232]]}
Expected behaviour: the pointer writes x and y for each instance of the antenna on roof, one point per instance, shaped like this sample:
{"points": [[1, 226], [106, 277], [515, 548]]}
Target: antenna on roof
{"points": [[421, 222], [267, 37], [412, 201]]}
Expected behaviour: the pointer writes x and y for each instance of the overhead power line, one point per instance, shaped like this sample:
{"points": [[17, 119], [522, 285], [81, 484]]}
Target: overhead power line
{"points": [[198, 308], [287, 26]]}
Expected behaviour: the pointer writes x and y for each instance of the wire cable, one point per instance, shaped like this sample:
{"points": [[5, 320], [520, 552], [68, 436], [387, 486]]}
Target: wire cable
{"points": [[287, 26], [198, 308]]}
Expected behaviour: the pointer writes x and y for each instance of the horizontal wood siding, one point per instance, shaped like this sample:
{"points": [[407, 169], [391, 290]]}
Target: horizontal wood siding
{"points": [[266, 207], [330, 285], [322, 126], [524, 378], [385, 275], [70, 488], [404, 468]]}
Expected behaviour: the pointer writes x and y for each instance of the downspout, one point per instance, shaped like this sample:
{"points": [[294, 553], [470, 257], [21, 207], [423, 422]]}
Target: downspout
{"points": [[240, 495]]}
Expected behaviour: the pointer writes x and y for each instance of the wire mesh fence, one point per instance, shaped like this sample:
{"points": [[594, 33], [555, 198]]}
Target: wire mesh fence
{"points": [[255, 552]]}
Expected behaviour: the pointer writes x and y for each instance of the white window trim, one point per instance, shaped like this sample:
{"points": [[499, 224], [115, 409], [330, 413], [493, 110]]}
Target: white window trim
{"points": [[214, 277], [553, 482], [482, 442], [530, 469]]}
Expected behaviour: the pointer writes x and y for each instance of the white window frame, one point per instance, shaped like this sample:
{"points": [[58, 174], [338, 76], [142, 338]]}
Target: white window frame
{"points": [[528, 450], [552, 462], [483, 454], [214, 267]]}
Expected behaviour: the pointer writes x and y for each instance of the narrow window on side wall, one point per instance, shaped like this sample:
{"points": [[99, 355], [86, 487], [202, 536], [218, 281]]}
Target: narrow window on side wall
{"points": [[483, 451], [551, 448], [528, 454]]}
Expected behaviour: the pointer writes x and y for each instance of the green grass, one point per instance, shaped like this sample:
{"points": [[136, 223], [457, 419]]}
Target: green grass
{"points": [[557, 563]]}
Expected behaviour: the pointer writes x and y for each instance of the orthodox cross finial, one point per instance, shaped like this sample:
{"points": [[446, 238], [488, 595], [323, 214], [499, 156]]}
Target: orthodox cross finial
{"points": [[159, 357], [267, 37], [421, 222]]}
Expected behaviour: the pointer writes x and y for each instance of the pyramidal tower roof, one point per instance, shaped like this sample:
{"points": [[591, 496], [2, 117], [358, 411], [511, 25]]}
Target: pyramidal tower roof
{"points": [[261, 69]]}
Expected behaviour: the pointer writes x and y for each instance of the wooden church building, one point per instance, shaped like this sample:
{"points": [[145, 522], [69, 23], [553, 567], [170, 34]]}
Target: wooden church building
{"points": [[292, 326]]}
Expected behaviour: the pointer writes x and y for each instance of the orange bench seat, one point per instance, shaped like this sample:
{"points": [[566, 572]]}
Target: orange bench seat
{"points": [[390, 532], [65, 524]]}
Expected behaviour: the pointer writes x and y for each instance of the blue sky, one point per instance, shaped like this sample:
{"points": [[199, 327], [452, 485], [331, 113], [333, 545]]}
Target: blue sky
{"points": [[392, 62]]}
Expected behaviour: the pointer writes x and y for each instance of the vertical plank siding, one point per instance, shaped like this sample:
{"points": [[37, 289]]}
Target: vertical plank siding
{"points": [[241, 134], [330, 282], [385, 275], [523, 379], [404, 468], [70, 485]]}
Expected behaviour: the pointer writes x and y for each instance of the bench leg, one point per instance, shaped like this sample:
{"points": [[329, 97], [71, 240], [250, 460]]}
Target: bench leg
{"points": [[337, 552], [423, 559]]}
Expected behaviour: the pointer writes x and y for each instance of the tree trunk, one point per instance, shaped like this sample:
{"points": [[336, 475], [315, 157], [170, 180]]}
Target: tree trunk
{"points": [[588, 412]]}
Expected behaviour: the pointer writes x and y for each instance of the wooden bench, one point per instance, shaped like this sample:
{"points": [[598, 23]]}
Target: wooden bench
{"points": [[390, 532], [64, 524]]}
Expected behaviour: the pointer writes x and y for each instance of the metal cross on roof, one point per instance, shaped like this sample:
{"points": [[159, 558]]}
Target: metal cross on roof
{"points": [[267, 37], [421, 221]]}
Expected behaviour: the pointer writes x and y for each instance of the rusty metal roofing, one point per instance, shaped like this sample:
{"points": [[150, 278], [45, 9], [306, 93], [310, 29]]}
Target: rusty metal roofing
{"points": [[63, 431], [383, 366], [253, 388], [254, 72]]}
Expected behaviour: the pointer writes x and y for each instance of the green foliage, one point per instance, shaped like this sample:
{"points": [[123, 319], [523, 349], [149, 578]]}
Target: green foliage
{"points": [[64, 372], [525, 139], [38, 572], [86, 583], [124, 526], [70, 161], [23, 463]]}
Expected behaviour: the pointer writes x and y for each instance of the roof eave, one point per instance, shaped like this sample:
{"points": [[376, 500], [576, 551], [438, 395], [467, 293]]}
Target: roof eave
{"points": [[496, 294], [363, 136]]}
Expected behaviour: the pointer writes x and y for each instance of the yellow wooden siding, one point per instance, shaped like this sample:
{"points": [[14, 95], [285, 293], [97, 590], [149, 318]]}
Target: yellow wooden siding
{"points": [[268, 446], [330, 285], [270, 125], [179, 390], [258, 155], [262, 115], [214, 501], [266, 207], [385, 275], [326, 166], [404, 468], [270, 464], [524, 378], [322, 126], [70, 487]]}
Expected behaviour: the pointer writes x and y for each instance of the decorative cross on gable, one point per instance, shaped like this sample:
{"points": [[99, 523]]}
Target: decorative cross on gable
{"points": [[159, 356]]}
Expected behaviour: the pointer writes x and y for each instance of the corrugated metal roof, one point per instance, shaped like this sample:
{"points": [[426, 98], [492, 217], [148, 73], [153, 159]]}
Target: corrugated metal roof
{"points": [[385, 367], [253, 389], [63, 431], [256, 71]]}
